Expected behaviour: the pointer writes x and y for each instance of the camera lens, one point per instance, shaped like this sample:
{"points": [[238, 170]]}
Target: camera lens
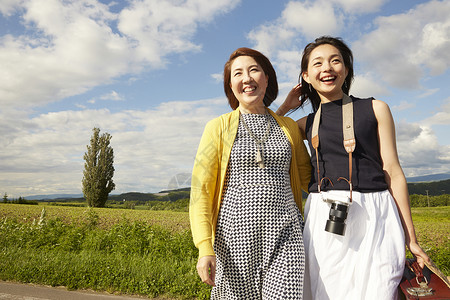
{"points": [[337, 216]]}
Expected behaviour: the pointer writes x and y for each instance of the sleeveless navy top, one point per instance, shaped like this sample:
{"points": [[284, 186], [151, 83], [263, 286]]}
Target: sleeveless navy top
{"points": [[368, 175]]}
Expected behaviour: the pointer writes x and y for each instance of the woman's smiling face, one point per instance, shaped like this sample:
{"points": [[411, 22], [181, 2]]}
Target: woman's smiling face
{"points": [[326, 72], [248, 83]]}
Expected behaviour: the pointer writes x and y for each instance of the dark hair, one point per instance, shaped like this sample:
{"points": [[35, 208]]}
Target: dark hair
{"points": [[272, 85], [307, 90]]}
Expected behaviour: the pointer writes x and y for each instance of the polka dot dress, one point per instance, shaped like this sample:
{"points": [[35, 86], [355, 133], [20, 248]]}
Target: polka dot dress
{"points": [[258, 241]]}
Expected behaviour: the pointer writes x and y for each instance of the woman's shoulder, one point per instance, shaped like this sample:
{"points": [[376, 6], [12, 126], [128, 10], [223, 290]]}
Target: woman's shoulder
{"points": [[286, 121], [381, 109], [378, 106], [222, 120], [225, 117]]}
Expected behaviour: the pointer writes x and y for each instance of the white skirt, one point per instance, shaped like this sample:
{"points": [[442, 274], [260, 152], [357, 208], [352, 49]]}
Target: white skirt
{"points": [[367, 262]]}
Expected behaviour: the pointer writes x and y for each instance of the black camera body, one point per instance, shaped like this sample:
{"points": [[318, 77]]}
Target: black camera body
{"points": [[340, 205]]}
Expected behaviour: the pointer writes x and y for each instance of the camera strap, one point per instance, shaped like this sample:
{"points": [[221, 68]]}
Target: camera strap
{"points": [[349, 139]]}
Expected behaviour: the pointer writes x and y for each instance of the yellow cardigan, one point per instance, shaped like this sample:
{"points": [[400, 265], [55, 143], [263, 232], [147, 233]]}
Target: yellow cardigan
{"points": [[210, 166]]}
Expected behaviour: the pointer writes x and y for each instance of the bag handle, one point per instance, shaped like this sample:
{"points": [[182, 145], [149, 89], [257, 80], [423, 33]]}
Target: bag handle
{"points": [[415, 267]]}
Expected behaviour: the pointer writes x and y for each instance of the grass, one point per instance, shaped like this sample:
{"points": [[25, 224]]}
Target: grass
{"points": [[432, 226], [173, 221], [140, 252]]}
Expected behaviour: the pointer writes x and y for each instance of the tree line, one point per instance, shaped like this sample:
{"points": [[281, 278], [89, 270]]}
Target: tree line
{"points": [[432, 188]]}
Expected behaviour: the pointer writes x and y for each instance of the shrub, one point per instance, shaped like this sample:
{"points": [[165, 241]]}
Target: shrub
{"points": [[432, 201]]}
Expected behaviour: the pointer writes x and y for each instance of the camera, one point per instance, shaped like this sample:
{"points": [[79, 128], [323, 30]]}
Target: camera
{"points": [[340, 205]]}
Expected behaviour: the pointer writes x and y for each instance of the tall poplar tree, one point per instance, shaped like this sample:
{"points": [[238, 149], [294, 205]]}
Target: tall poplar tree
{"points": [[98, 169]]}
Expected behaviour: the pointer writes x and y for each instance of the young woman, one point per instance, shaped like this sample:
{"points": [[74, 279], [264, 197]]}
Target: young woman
{"points": [[363, 259], [246, 190]]}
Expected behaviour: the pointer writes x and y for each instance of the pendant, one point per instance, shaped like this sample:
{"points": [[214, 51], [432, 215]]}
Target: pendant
{"points": [[259, 159]]}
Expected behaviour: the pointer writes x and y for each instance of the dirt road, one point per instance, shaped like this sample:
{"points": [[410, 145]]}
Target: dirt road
{"points": [[19, 291]]}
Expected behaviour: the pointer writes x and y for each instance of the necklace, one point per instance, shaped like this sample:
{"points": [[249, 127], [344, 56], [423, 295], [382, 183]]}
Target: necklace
{"points": [[259, 142]]}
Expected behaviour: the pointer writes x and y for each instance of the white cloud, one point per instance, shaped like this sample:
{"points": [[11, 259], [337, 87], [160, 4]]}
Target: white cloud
{"points": [[45, 153], [406, 46], [7, 7], [312, 19], [287, 64], [112, 96], [433, 50], [270, 37], [367, 85], [419, 150], [298, 19], [428, 93], [360, 6], [404, 105], [72, 50], [77, 45], [441, 117], [160, 26], [308, 19], [218, 77]]}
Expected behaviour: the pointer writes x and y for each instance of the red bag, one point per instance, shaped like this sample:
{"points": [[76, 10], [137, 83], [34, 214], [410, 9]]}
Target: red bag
{"points": [[424, 284]]}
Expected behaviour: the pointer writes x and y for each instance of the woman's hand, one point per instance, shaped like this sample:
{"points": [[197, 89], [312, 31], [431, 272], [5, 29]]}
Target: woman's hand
{"points": [[292, 100], [419, 254], [206, 269]]}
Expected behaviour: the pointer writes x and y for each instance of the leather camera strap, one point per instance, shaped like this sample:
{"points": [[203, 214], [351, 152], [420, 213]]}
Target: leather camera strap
{"points": [[349, 138]]}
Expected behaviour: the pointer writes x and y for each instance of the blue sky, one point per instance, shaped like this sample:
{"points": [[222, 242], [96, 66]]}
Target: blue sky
{"points": [[149, 73]]}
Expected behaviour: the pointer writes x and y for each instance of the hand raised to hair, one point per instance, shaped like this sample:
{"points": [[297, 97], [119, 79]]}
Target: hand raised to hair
{"points": [[292, 100]]}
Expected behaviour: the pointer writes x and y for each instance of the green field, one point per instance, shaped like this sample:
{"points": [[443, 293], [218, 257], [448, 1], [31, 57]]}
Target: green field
{"points": [[107, 217], [432, 226], [127, 251]]}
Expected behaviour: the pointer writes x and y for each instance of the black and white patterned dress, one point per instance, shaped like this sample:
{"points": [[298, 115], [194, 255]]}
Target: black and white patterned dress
{"points": [[258, 241]]}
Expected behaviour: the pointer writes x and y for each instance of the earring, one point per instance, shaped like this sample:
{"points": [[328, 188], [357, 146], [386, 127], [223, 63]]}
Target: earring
{"points": [[309, 85], [345, 85]]}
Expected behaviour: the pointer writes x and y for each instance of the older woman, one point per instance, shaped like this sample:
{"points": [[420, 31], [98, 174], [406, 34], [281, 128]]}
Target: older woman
{"points": [[246, 190]]}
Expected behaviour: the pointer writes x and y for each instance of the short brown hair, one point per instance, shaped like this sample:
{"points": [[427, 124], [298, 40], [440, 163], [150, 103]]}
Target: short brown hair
{"points": [[272, 85]]}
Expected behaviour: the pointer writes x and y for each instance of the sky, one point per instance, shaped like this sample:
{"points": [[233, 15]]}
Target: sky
{"points": [[149, 72]]}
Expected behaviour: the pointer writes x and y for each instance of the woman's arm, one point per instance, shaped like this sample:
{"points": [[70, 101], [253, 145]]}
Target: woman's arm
{"points": [[302, 126], [292, 100], [203, 187], [395, 178]]}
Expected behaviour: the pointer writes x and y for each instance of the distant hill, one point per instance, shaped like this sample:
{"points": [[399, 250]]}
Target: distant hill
{"points": [[186, 189], [167, 195], [434, 188], [432, 177], [53, 196]]}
